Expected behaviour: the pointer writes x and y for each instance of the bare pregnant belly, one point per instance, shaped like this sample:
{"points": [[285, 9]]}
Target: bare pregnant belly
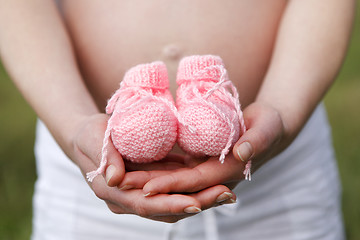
{"points": [[111, 36]]}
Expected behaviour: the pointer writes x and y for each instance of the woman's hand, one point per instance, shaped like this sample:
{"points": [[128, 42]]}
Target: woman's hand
{"points": [[263, 139], [163, 207], [266, 135]]}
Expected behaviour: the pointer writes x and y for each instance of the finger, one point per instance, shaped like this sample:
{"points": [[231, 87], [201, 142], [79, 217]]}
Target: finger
{"points": [[165, 218], [168, 218], [98, 185], [158, 205], [164, 207], [174, 157], [89, 144], [209, 173], [170, 162], [152, 166], [115, 169], [138, 179], [92, 144], [210, 197], [214, 196], [265, 129]]}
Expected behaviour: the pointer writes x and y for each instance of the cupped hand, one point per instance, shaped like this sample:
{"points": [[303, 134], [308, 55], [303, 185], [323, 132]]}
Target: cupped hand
{"points": [[263, 139], [163, 207], [192, 175]]}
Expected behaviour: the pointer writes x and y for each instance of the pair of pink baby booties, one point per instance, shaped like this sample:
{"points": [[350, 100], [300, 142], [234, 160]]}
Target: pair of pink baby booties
{"points": [[145, 124]]}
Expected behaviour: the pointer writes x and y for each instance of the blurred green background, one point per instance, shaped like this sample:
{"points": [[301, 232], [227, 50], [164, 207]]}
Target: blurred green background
{"points": [[17, 166]]}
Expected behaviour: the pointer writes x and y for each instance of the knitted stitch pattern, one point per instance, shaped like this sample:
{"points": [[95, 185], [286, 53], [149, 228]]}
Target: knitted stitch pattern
{"points": [[143, 122], [147, 131], [205, 102]]}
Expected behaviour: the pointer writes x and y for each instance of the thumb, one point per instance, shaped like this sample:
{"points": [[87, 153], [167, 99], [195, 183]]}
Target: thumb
{"points": [[265, 129], [90, 142], [115, 169]]}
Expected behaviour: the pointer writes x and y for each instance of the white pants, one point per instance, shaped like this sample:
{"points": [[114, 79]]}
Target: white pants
{"points": [[296, 195]]}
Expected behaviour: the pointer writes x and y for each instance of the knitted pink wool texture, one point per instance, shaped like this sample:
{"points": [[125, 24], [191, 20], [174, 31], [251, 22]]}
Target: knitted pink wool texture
{"points": [[208, 100], [143, 122]]}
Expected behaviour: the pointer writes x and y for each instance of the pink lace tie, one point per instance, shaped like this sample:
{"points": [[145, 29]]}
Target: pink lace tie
{"points": [[130, 97], [220, 88]]}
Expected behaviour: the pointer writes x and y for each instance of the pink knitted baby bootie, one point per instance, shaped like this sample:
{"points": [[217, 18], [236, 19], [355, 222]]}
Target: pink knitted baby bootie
{"points": [[205, 102], [143, 122]]}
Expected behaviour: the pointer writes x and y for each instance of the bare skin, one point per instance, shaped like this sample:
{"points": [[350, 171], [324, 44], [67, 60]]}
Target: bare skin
{"points": [[126, 33], [271, 50]]}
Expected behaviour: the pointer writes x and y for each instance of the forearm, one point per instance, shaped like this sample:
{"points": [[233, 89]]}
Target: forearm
{"points": [[37, 53], [309, 51]]}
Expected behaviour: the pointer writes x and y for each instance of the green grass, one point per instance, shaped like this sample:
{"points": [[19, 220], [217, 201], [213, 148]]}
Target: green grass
{"points": [[17, 167], [342, 103]]}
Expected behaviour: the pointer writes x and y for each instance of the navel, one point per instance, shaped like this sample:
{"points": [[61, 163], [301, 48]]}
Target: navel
{"points": [[172, 51]]}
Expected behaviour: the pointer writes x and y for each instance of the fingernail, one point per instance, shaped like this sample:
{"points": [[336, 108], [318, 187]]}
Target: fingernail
{"points": [[229, 201], [192, 209], [110, 170], [245, 151], [126, 187], [148, 194], [223, 197]]}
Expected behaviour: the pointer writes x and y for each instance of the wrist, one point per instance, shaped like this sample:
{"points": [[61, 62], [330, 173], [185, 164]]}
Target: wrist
{"points": [[65, 131], [292, 114]]}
